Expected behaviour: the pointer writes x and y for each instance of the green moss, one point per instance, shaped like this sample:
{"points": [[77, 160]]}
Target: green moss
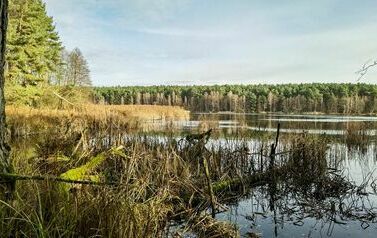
{"points": [[83, 171], [225, 184]]}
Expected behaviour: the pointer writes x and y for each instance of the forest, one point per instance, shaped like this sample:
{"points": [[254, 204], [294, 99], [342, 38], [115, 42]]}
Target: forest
{"points": [[288, 98]]}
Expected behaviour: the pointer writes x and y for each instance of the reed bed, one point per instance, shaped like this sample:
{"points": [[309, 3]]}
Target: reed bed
{"points": [[27, 121]]}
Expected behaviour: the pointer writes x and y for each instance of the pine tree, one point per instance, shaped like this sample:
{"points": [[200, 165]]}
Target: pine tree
{"points": [[34, 48]]}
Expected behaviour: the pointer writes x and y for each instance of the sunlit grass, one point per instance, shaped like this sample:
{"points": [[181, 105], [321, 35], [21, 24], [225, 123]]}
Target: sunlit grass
{"points": [[26, 120]]}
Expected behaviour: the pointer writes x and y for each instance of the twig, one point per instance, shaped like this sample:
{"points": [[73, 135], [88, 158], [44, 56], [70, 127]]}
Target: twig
{"points": [[365, 68]]}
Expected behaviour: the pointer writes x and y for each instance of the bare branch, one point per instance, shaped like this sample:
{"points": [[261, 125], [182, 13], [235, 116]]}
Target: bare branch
{"points": [[62, 98], [365, 69]]}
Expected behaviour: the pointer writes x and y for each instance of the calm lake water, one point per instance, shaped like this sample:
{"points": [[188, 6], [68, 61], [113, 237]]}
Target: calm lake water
{"points": [[232, 123], [281, 212]]}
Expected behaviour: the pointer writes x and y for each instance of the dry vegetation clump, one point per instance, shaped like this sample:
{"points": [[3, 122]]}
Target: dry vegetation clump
{"points": [[206, 226], [356, 135], [147, 112], [307, 159], [207, 122], [308, 172]]}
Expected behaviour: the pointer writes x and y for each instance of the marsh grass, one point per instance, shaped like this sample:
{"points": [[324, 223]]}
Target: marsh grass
{"points": [[27, 121], [138, 207], [157, 179]]}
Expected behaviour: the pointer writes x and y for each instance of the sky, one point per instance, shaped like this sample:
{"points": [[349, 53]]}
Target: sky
{"points": [[187, 42]]}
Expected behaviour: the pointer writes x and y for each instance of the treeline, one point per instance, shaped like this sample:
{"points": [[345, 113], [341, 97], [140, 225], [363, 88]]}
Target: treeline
{"points": [[36, 59], [317, 97]]}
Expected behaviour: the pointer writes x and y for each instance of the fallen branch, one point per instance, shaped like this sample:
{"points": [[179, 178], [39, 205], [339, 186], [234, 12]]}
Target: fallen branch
{"points": [[62, 98], [9, 176]]}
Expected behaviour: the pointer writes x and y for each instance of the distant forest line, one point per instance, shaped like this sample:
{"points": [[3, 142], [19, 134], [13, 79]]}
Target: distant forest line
{"points": [[289, 98]]}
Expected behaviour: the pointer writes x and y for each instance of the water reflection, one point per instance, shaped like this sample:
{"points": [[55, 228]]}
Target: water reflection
{"points": [[340, 203], [234, 123]]}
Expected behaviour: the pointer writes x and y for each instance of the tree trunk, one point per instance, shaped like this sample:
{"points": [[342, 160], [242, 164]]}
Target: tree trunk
{"points": [[5, 165]]}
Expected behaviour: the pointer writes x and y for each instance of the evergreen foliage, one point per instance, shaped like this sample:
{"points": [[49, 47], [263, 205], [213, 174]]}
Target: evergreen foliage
{"points": [[36, 61], [33, 45]]}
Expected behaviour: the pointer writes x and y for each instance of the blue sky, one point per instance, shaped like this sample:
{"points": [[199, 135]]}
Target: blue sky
{"points": [[153, 42]]}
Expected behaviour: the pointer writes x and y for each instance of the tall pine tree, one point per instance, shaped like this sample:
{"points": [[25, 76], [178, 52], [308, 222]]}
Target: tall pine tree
{"points": [[34, 48]]}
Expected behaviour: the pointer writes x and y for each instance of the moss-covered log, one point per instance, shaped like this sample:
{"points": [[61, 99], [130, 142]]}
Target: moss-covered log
{"points": [[253, 180]]}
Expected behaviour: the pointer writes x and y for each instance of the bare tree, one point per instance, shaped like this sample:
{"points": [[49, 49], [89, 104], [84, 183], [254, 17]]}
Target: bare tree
{"points": [[5, 165], [78, 73]]}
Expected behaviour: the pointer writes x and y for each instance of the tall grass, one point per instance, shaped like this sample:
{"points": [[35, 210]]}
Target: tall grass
{"points": [[26, 120], [156, 181]]}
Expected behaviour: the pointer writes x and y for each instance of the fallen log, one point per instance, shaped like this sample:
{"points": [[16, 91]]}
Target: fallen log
{"points": [[256, 179]]}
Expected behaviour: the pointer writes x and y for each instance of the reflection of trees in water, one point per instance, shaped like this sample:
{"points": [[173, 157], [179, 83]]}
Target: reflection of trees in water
{"points": [[313, 187], [304, 122], [331, 199]]}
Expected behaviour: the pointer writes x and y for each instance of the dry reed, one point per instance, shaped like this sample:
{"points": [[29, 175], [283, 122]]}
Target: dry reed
{"points": [[26, 120]]}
